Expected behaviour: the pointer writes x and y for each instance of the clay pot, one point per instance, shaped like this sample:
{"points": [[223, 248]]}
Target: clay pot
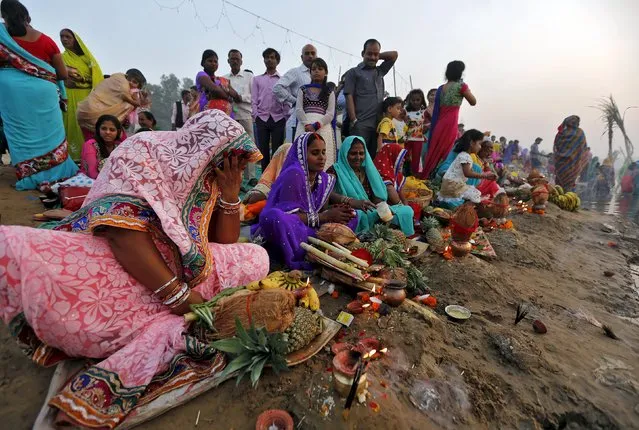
{"points": [[500, 205], [394, 294], [540, 195], [367, 344], [344, 367], [355, 307], [274, 417], [485, 210], [536, 178], [461, 249]]}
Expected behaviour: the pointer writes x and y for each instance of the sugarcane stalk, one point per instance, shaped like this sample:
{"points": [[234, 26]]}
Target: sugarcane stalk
{"points": [[344, 253], [343, 248], [334, 261]]}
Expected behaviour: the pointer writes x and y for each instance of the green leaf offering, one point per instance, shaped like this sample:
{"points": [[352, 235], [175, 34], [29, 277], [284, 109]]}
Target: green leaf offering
{"points": [[252, 350]]}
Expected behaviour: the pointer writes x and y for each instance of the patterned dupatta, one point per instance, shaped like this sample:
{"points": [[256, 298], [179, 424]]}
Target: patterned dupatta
{"points": [[163, 182], [19, 58], [389, 161]]}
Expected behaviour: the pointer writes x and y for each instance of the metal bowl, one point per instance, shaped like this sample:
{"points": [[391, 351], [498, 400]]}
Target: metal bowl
{"points": [[457, 313]]}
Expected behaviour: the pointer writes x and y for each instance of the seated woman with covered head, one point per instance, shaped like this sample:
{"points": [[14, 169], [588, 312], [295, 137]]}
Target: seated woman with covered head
{"points": [[359, 180], [157, 233], [296, 206]]}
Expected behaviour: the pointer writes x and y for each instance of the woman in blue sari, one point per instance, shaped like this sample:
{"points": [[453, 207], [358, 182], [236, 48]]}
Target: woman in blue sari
{"points": [[30, 102], [358, 178]]}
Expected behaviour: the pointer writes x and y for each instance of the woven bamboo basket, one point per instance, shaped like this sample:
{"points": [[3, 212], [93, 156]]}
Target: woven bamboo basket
{"points": [[424, 197]]}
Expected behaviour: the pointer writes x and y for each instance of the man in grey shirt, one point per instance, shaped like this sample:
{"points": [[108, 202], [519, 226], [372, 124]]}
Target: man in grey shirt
{"points": [[364, 89]]}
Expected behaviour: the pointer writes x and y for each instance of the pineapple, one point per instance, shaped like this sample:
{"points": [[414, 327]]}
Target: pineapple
{"points": [[302, 331], [430, 227]]}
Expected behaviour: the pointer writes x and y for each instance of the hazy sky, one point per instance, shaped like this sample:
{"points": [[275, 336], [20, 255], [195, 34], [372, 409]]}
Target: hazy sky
{"points": [[529, 63]]}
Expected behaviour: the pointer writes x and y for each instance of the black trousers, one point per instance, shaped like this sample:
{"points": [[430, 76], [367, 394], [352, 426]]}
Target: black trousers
{"points": [[270, 136], [368, 130]]}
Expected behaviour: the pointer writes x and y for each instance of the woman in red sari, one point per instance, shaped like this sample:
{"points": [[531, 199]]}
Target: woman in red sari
{"points": [[443, 129]]}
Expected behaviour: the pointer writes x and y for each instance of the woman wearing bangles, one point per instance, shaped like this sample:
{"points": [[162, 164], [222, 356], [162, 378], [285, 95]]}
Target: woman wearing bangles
{"points": [[156, 234], [295, 208]]}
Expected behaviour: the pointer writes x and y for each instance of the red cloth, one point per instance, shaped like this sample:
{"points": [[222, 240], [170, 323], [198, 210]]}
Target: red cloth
{"points": [[389, 162], [488, 188], [627, 184], [43, 48], [414, 148]]}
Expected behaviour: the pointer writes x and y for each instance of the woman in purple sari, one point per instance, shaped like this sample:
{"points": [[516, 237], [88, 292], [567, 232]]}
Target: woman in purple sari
{"points": [[293, 211]]}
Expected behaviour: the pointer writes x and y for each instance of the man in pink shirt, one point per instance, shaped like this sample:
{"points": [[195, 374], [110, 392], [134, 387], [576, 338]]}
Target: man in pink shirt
{"points": [[269, 115]]}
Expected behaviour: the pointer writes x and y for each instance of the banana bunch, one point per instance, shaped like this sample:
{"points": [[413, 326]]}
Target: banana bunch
{"points": [[567, 201], [310, 300], [287, 280], [290, 281]]}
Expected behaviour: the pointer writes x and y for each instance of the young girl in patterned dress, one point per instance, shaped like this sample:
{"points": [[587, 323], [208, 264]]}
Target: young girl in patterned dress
{"points": [[315, 109], [415, 137]]}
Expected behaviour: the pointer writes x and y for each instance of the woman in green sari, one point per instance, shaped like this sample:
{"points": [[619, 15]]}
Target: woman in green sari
{"points": [[84, 75], [359, 179]]}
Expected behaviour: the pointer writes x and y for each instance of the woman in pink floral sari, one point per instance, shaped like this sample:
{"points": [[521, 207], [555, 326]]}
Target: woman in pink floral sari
{"points": [[111, 282]]}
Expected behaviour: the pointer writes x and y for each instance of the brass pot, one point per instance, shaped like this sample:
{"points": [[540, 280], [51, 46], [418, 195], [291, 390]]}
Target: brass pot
{"points": [[461, 249], [394, 294]]}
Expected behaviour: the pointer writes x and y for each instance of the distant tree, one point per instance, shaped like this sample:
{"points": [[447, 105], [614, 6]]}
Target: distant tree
{"points": [[612, 119], [187, 83], [162, 98]]}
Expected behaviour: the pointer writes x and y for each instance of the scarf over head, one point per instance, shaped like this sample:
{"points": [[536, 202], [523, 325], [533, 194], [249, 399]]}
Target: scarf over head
{"points": [[164, 183], [91, 71], [349, 184], [292, 192]]}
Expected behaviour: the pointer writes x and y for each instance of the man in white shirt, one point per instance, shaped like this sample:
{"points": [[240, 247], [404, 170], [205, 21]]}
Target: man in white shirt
{"points": [[180, 112], [287, 87], [241, 81]]}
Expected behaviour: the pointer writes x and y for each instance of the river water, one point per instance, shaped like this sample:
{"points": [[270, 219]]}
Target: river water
{"points": [[626, 205]]}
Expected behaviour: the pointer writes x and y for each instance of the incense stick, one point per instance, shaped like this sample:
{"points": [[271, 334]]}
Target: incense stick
{"points": [[358, 374]]}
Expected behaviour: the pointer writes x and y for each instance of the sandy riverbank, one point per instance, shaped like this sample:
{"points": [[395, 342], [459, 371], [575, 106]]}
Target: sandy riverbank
{"points": [[488, 373]]}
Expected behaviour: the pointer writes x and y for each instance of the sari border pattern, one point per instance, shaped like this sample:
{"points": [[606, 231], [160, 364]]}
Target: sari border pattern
{"points": [[55, 157], [18, 62], [97, 398]]}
